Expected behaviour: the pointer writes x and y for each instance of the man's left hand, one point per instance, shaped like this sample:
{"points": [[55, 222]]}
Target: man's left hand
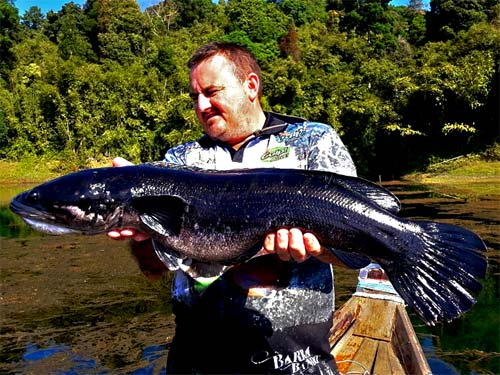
{"points": [[294, 244]]}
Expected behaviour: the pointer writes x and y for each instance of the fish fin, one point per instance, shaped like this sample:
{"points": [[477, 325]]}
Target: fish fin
{"points": [[437, 278], [245, 256], [376, 193], [204, 270], [351, 260], [167, 255], [163, 214]]}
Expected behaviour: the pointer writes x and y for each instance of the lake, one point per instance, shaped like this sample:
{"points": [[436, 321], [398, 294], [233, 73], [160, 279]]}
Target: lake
{"points": [[74, 305]]}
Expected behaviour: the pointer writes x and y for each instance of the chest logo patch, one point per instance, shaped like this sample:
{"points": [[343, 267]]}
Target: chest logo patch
{"points": [[275, 154]]}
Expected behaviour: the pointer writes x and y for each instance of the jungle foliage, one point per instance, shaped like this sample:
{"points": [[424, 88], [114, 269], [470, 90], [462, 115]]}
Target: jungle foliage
{"points": [[402, 85]]}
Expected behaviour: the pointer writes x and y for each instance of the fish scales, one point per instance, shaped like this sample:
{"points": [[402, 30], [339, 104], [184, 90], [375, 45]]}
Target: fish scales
{"points": [[223, 217]]}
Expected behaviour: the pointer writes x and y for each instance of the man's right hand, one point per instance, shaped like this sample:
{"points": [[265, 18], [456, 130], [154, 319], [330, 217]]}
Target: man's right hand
{"points": [[125, 233], [121, 162]]}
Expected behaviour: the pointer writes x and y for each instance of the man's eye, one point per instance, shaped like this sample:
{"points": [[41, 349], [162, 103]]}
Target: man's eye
{"points": [[212, 92], [207, 94]]}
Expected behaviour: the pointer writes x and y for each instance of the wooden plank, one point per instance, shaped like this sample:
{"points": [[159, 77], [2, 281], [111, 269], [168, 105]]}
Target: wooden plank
{"points": [[382, 363], [386, 362], [408, 349], [343, 319], [346, 352], [396, 365], [376, 335], [346, 347], [376, 319], [365, 356]]}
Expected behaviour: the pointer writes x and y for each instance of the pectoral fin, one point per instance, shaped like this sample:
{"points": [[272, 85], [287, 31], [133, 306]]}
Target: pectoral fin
{"points": [[163, 214]]}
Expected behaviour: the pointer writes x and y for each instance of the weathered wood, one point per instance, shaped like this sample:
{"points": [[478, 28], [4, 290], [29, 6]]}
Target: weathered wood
{"points": [[346, 349], [387, 363], [408, 348], [377, 321], [376, 335], [343, 319], [365, 356]]}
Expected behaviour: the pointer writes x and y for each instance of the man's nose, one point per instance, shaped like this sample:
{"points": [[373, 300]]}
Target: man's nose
{"points": [[203, 102]]}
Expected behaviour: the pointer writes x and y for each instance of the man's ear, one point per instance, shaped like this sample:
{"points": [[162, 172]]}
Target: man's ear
{"points": [[252, 86]]}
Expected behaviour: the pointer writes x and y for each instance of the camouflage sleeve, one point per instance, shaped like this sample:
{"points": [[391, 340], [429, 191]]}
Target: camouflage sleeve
{"points": [[176, 155], [328, 152]]}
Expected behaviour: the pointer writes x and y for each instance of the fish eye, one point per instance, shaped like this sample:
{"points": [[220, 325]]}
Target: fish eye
{"points": [[33, 197]]}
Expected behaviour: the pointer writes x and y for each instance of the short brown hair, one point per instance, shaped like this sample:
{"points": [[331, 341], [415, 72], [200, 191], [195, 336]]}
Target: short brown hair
{"points": [[243, 60]]}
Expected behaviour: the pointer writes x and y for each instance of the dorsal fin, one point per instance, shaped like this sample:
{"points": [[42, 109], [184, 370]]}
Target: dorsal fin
{"points": [[376, 193], [379, 195]]}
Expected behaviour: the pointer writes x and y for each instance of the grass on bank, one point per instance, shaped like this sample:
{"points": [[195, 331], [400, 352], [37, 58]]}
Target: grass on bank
{"points": [[39, 170], [468, 176]]}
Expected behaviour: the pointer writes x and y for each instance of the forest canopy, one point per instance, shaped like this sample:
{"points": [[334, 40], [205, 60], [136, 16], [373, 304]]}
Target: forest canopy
{"points": [[402, 85]]}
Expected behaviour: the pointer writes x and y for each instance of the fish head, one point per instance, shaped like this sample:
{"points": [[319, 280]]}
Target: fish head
{"points": [[86, 202]]}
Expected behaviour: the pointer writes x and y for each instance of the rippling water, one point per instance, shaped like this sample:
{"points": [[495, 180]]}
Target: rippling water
{"points": [[75, 305]]}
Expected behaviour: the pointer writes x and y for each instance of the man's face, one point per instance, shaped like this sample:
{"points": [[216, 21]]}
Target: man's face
{"points": [[221, 101]]}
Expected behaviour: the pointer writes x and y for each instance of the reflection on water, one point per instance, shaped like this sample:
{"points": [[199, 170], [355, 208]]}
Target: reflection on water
{"points": [[11, 226], [78, 365], [438, 366], [77, 305]]}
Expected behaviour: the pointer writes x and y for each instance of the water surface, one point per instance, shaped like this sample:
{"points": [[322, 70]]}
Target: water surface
{"points": [[75, 305]]}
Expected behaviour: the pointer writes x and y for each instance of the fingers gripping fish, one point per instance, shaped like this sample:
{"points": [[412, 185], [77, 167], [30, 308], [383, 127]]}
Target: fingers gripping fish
{"points": [[223, 217]]}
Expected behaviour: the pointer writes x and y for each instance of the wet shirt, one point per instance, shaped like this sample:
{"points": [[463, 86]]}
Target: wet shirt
{"points": [[265, 316]]}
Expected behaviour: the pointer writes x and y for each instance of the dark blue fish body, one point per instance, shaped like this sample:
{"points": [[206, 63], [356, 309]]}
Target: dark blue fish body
{"points": [[223, 216]]}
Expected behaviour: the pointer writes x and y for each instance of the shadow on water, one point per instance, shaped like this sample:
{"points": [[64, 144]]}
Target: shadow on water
{"points": [[74, 305]]}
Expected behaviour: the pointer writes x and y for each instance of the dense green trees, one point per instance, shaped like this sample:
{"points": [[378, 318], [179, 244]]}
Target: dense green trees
{"points": [[9, 26], [402, 85]]}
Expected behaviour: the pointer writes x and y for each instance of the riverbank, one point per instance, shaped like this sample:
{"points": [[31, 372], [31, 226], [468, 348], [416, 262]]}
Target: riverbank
{"points": [[32, 171], [469, 177]]}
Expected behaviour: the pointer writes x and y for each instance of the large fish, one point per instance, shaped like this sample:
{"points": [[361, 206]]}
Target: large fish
{"points": [[223, 216]]}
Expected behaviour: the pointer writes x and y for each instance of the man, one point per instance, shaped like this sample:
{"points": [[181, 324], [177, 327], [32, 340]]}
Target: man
{"points": [[273, 313]]}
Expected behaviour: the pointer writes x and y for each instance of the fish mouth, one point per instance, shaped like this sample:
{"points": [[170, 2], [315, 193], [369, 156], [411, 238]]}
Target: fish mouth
{"points": [[39, 220], [49, 228], [66, 219]]}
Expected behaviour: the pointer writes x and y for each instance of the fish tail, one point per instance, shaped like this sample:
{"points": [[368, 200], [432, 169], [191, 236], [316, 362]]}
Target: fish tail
{"points": [[440, 271]]}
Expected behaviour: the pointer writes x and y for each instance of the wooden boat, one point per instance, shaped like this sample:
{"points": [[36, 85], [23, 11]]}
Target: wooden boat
{"points": [[372, 333]]}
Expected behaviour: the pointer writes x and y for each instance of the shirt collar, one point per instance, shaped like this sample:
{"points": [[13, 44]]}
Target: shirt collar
{"points": [[275, 123]]}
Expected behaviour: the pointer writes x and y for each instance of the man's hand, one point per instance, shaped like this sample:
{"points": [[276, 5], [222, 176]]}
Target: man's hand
{"points": [[121, 162], [125, 233], [293, 244]]}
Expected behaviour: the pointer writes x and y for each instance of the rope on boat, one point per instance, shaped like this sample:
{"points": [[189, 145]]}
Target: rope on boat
{"points": [[365, 372]]}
